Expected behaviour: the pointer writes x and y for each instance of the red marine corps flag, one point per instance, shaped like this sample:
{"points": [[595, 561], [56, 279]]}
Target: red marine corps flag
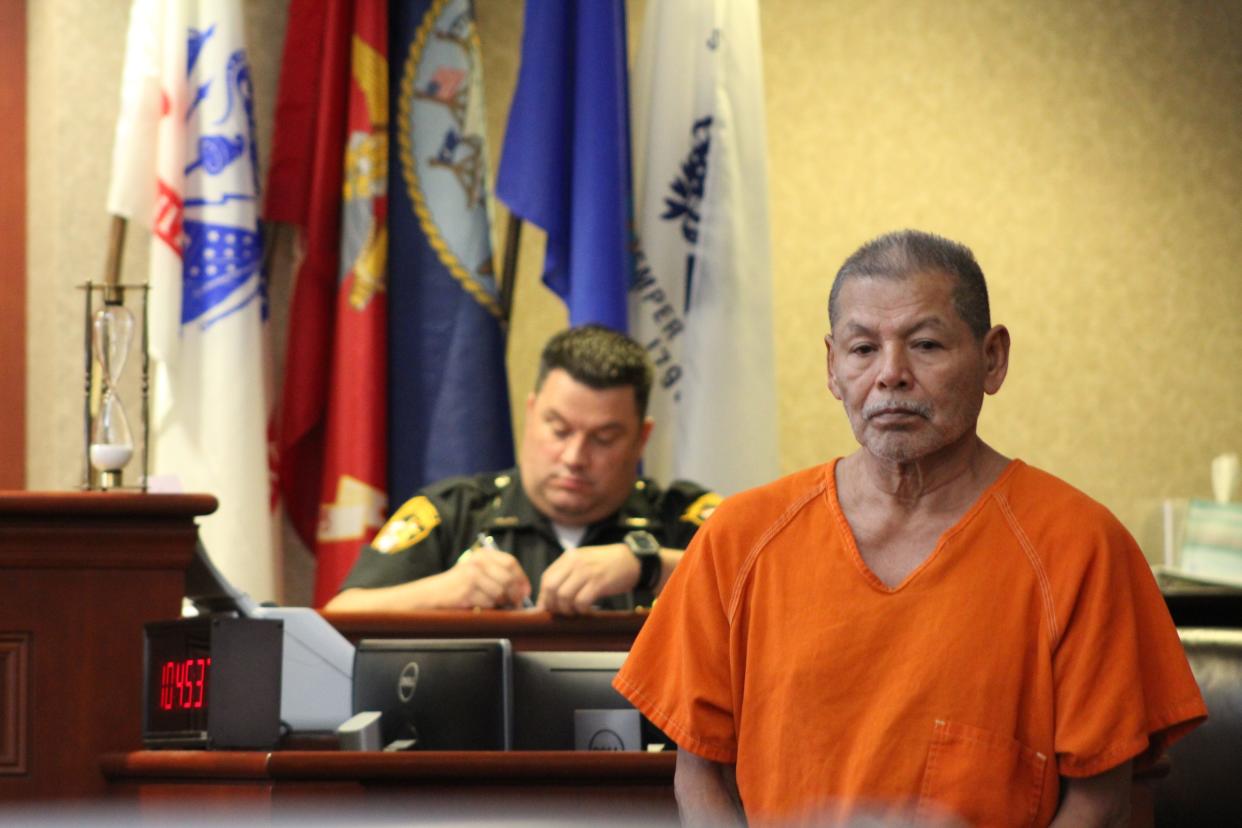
{"points": [[332, 182]]}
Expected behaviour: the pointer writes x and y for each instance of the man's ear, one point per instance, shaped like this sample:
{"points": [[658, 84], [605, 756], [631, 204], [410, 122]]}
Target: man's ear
{"points": [[644, 432], [832, 375], [995, 358]]}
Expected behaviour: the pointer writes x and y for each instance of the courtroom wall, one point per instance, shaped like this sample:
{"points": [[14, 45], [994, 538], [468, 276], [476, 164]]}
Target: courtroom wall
{"points": [[1091, 154]]}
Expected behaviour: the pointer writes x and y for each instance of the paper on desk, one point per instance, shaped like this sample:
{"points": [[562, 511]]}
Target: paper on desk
{"points": [[1212, 546]]}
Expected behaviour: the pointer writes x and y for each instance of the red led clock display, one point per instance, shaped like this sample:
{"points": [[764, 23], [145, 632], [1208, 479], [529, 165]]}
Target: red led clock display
{"points": [[177, 694], [183, 683]]}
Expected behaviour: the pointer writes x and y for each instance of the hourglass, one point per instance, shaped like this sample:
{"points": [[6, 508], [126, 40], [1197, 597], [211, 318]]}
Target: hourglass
{"points": [[111, 443], [110, 336]]}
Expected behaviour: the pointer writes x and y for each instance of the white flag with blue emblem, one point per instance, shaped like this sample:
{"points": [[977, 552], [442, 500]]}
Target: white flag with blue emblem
{"points": [[186, 166], [702, 298]]}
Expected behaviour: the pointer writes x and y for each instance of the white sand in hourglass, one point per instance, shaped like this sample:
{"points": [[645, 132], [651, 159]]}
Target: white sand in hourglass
{"points": [[107, 457]]}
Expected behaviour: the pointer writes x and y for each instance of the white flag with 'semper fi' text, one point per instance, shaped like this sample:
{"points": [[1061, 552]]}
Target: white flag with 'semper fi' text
{"points": [[701, 302]]}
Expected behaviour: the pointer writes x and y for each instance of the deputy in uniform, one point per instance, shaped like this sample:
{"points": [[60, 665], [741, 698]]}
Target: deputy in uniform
{"points": [[572, 528]]}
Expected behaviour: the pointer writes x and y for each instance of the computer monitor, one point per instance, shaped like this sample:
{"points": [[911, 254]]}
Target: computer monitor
{"points": [[437, 694], [548, 687]]}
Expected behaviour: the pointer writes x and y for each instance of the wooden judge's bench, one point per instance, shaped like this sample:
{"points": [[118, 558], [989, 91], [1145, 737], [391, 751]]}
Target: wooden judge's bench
{"points": [[82, 572], [490, 786]]}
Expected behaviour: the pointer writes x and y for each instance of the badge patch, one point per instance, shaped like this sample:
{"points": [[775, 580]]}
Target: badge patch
{"points": [[412, 522], [701, 509]]}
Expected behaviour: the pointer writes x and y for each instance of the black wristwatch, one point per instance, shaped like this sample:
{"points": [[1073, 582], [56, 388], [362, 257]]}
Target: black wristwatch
{"points": [[647, 549]]}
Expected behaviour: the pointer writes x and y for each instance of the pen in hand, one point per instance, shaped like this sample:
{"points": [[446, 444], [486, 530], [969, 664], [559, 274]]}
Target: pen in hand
{"points": [[486, 541]]}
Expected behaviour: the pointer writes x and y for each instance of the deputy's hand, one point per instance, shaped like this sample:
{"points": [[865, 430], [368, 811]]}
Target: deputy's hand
{"points": [[580, 577], [484, 578]]}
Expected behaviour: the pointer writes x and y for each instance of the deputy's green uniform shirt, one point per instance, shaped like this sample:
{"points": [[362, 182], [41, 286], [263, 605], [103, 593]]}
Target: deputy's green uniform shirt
{"points": [[431, 530]]}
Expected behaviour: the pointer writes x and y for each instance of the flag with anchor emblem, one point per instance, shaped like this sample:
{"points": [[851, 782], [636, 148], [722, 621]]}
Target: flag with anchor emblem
{"points": [[448, 390]]}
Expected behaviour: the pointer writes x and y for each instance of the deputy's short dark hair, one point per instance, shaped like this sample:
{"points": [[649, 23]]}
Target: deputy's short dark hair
{"points": [[600, 358], [908, 252]]}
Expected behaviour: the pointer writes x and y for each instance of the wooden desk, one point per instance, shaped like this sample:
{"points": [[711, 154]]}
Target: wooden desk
{"points": [[490, 787], [80, 573], [579, 787], [532, 630], [527, 629]]}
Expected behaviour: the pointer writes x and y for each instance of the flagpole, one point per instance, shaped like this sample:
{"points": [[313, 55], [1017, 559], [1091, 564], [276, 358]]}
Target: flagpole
{"points": [[112, 265], [268, 231], [508, 272]]}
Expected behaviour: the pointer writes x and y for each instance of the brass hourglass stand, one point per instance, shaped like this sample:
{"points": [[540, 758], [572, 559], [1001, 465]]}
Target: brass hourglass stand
{"points": [[109, 334]]}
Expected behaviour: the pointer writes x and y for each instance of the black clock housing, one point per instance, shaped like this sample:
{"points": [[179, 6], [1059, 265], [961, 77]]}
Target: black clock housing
{"points": [[212, 682]]}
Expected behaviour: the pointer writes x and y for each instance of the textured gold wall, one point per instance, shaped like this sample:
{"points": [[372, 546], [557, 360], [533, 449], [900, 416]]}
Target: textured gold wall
{"points": [[1091, 154]]}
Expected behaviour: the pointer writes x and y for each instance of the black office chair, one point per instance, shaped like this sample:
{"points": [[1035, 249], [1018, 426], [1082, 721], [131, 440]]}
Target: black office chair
{"points": [[1204, 784]]}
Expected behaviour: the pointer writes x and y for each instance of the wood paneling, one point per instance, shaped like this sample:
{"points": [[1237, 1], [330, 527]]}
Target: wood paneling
{"points": [[80, 573], [14, 703]]}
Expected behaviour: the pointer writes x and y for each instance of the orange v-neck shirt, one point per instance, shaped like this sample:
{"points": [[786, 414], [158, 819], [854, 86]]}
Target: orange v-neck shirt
{"points": [[1031, 643]]}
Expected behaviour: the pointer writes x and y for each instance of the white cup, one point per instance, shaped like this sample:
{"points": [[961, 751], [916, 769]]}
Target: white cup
{"points": [[1224, 477]]}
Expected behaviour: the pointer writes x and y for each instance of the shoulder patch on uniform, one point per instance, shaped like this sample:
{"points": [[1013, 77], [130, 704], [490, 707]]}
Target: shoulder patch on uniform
{"points": [[411, 523], [701, 509]]}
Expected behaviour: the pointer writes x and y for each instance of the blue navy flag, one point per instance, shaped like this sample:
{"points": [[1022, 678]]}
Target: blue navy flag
{"points": [[448, 397], [565, 165]]}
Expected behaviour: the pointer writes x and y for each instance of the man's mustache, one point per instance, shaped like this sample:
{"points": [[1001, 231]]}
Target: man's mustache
{"points": [[897, 406]]}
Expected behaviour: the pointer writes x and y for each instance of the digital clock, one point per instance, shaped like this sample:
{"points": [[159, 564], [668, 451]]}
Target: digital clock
{"points": [[212, 682], [183, 684]]}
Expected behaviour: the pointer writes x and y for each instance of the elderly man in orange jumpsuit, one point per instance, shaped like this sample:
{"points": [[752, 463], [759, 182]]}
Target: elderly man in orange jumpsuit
{"points": [[925, 628]]}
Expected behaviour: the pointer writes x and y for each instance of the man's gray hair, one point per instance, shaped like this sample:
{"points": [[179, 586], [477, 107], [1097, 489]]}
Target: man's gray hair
{"points": [[906, 253]]}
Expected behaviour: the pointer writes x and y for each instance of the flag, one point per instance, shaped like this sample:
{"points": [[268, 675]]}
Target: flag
{"points": [[304, 189], [185, 165], [565, 165], [701, 300], [448, 392], [329, 176]]}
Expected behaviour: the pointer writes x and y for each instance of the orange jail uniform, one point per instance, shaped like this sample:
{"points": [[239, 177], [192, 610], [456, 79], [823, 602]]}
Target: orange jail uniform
{"points": [[1032, 643]]}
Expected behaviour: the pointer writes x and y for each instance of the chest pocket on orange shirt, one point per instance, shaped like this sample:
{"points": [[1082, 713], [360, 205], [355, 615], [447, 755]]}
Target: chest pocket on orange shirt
{"points": [[980, 776]]}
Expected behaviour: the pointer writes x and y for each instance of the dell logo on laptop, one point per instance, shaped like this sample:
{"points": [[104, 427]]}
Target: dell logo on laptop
{"points": [[407, 681], [606, 739]]}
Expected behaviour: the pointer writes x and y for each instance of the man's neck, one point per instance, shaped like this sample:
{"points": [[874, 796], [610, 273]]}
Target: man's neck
{"points": [[943, 480]]}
